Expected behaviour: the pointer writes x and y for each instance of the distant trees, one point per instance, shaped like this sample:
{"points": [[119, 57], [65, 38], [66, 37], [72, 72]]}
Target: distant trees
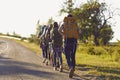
{"points": [[67, 7], [92, 20], [34, 37]]}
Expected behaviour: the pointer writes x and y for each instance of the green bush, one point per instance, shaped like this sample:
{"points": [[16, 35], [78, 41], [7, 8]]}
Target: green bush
{"points": [[96, 51]]}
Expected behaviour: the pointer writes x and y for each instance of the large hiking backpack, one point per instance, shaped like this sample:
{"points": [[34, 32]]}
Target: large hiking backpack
{"points": [[57, 38], [70, 28]]}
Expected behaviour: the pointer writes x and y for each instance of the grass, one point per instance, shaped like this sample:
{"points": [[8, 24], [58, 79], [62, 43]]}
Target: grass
{"points": [[102, 65], [93, 64]]}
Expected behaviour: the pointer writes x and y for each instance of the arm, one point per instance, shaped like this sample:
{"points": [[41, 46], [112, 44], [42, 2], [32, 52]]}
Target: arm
{"points": [[60, 29], [43, 34]]}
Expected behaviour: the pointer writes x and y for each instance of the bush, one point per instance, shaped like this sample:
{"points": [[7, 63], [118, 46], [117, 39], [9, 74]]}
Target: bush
{"points": [[96, 51]]}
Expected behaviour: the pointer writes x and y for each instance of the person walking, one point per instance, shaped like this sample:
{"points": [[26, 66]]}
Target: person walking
{"points": [[70, 31], [43, 44], [48, 37], [57, 47]]}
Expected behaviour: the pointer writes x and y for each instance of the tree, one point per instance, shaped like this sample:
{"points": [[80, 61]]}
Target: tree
{"points": [[38, 27], [92, 20], [50, 21], [67, 7]]}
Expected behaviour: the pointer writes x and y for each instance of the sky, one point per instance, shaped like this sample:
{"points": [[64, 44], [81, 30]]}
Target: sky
{"points": [[21, 16]]}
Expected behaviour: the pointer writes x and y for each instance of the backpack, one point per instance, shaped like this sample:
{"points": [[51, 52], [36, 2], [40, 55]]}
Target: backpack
{"points": [[57, 38], [70, 28], [43, 32]]}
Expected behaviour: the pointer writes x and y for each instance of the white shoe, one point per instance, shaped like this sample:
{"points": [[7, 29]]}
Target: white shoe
{"points": [[55, 68], [61, 69], [44, 60]]}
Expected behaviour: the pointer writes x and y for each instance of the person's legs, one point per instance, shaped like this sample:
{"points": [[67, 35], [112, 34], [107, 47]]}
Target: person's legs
{"points": [[60, 57], [67, 54], [73, 62], [60, 61], [46, 54], [43, 54], [54, 60]]}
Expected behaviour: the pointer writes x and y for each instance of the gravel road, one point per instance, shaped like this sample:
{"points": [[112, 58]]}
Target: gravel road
{"points": [[19, 63]]}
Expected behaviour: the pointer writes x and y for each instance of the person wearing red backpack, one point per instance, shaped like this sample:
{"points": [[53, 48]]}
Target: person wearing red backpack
{"points": [[70, 31]]}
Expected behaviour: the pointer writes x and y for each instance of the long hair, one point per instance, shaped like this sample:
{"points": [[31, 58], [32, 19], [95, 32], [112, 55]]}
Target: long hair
{"points": [[55, 24]]}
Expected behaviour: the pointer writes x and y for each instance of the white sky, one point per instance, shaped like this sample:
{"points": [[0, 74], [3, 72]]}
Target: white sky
{"points": [[21, 16]]}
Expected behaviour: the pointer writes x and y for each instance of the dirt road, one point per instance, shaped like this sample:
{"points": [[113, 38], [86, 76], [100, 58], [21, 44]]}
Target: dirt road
{"points": [[19, 63]]}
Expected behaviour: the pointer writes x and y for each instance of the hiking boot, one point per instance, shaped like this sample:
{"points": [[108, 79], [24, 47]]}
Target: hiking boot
{"points": [[71, 73]]}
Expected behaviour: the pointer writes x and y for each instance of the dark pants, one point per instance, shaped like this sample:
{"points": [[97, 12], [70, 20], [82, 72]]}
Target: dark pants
{"points": [[44, 50], [70, 51], [57, 54]]}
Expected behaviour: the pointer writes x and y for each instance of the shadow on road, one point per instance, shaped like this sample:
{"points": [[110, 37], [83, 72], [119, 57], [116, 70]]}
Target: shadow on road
{"points": [[10, 67]]}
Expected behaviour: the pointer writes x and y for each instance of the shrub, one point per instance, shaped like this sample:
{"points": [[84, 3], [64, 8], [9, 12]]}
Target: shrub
{"points": [[97, 51]]}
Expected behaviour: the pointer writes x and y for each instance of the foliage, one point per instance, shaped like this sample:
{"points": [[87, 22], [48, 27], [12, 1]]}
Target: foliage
{"points": [[38, 27], [33, 39], [96, 51], [50, 21], [67, 7], [92, 20]]}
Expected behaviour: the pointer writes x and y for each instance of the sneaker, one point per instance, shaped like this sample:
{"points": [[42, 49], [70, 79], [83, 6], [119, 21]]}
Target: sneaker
{"points": [[44, 60], [46, 63], [61, 69], [71, 73], [55, 68]]}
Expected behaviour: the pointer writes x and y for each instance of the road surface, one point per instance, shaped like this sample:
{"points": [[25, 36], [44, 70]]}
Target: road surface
{"points": [[19, 63]]}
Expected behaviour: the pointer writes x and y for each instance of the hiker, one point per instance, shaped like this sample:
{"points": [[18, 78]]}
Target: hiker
{"points": [[48, 37], [43, 44], [57, 47], [70, 31]]}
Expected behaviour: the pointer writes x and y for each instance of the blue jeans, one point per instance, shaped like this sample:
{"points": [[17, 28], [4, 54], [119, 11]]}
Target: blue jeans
{"points": [[70, 51], [44, 51], [57, 53]]}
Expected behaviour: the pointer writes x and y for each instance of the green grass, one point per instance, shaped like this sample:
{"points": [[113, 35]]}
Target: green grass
{"points": [[98, 65]]}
